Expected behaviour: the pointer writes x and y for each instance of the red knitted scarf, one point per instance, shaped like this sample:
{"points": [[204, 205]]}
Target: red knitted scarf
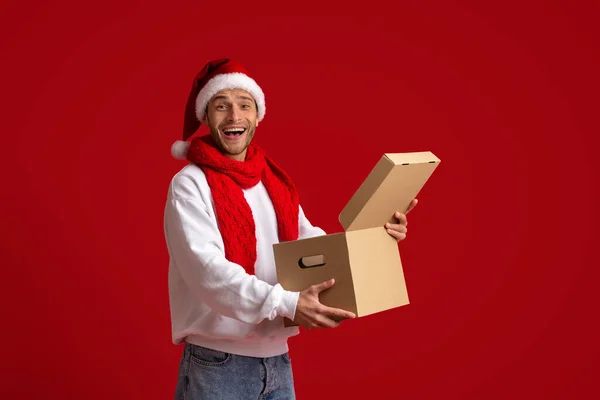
{"points": [[227, 178]]}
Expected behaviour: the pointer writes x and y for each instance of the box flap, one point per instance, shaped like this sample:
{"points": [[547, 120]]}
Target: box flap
{"points": [[390, 186]]}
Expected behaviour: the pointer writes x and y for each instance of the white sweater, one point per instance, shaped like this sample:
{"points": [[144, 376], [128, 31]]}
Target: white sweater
{"points": [[214, 302]]}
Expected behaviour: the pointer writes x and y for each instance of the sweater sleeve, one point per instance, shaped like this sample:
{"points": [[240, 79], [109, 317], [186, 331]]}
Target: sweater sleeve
{"points": [[196, 249], [306, 229]]}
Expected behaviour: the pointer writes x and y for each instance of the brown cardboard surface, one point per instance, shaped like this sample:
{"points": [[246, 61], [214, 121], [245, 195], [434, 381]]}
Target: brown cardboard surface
{"points": [[377, 276], [364, 259], [334, 249], [391, 185]]}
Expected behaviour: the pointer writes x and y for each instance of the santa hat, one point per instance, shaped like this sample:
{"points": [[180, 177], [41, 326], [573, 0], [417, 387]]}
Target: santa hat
{"points": [[216, 75]]}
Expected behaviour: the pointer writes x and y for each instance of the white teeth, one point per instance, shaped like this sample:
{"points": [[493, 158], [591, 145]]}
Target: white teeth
{"points": [[234, 130]]}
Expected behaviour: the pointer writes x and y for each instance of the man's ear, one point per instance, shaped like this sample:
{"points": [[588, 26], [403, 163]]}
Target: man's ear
{"points": [[256, 106], [205, 118]]}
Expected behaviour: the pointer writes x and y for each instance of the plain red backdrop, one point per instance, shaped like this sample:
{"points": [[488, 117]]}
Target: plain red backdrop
{"points": [[500, 260]]}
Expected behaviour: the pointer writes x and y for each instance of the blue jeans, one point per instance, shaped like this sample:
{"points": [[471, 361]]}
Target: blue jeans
{"points": [[209, 374]]}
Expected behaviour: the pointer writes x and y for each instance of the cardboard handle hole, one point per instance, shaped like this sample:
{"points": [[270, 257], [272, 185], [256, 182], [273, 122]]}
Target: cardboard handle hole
{"points": [[312, 261]]}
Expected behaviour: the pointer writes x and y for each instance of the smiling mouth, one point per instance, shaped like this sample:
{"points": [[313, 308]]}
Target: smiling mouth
{"points": [[234, 132]]}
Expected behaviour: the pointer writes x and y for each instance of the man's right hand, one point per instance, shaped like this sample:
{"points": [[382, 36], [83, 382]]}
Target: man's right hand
{"points": [[310, 313]]}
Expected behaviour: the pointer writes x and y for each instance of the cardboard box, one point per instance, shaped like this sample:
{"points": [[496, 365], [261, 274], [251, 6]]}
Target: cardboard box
{"points": [[364, 259]]}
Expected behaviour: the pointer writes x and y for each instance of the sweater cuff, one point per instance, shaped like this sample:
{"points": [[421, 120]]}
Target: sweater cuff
{"points": [[289, 301]]}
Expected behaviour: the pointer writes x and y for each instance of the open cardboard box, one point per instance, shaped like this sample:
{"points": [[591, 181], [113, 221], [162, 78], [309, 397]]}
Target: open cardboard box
{"points": [[364, 259]]}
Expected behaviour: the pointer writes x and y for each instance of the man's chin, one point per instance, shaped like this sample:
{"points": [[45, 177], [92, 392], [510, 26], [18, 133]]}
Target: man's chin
{"points": [[234, 150], [235, 153]]}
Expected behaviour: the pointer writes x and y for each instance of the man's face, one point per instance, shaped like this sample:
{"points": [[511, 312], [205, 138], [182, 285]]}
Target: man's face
{"points": [[232, 119]]}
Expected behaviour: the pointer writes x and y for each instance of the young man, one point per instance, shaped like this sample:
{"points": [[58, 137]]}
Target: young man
{"points": [[224, 211]]}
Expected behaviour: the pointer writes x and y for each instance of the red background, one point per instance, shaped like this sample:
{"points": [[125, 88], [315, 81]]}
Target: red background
{"points": [[499, 260]]}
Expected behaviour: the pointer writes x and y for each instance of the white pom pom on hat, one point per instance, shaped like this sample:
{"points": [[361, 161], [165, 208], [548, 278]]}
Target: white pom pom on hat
{"points": [[215, 76], [179, 149]]}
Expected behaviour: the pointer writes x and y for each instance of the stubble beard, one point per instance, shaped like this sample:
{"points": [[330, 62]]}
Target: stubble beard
{"points": [[220, 141]]}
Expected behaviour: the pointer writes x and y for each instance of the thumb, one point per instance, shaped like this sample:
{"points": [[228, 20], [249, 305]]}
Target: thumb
{"points": [[324, 285], [412, 205]]}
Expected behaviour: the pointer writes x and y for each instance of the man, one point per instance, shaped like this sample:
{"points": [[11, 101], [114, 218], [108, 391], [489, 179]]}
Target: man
{"points": [[224, 211]]}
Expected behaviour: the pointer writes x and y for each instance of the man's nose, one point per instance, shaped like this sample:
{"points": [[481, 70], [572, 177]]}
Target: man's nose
{"points": [[234, 114]]}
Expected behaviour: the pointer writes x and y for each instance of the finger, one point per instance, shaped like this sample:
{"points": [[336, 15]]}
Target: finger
{"points": [[337, 313], [397, 227], [398, 235], [401, 218], [324, 322], [412, 205], [324, 285]]}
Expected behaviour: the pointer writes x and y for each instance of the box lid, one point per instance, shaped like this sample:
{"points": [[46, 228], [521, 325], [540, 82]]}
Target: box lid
{"points": [[390, 186]]}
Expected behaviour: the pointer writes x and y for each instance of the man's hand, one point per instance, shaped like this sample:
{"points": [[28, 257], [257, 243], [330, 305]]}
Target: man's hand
{"points": [[399, 230], [310, 313]]}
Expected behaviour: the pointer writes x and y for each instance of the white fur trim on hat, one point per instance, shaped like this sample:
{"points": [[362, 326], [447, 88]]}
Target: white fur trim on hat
{"points": [[179, 149], [234, 80]]}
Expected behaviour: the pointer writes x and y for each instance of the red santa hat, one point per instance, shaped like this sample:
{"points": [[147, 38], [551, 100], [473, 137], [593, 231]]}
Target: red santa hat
{"points": [[216, 75]]}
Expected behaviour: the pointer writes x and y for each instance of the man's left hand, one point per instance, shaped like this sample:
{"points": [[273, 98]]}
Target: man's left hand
{"points": [[399, 230]]}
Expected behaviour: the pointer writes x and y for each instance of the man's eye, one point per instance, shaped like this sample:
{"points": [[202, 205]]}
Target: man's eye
{"points": [[221, 107]]}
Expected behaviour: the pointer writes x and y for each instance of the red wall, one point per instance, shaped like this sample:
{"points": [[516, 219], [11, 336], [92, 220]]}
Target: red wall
{"points": [[500, 259]]}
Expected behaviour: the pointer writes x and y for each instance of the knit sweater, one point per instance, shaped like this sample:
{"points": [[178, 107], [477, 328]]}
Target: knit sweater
{"points": [[213, 302]]}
